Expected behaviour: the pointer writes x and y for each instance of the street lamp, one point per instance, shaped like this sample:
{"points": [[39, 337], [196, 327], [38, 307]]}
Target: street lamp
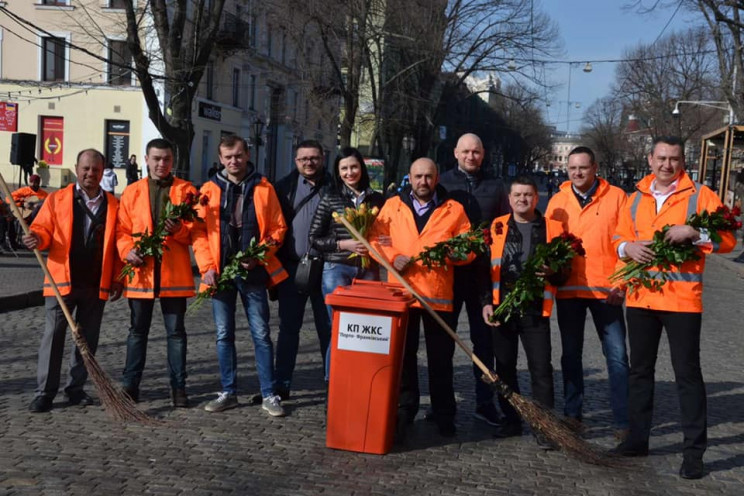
{"points": [[707, 103], [258, 126], [587, 69]]}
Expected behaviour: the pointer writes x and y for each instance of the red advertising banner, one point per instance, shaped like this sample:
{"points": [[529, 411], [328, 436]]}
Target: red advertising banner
{"points": [[9, 117], [52, 138]]}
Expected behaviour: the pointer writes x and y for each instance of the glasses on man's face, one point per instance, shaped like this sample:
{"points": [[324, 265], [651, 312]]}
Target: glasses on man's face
{"points": [[307, 160]]}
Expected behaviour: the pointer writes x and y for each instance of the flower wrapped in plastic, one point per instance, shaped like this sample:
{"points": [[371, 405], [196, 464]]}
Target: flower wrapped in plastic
{"points": [[152, 244], [362, 219], [667, 255], [555, 256]]}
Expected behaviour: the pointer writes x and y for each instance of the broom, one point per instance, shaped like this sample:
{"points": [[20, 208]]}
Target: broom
{"points": [[539, 418], [117, 404]]}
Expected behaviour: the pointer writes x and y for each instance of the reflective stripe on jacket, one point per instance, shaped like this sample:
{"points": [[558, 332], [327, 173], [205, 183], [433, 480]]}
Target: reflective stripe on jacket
{"points": [[639, 221], [595, 225], [176, 279], [271, 224], [53, 225], [552, 229], [397, 221]]}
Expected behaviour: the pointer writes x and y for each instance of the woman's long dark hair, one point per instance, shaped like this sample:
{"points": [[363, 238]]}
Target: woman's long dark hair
{"points": [[346, 153]]}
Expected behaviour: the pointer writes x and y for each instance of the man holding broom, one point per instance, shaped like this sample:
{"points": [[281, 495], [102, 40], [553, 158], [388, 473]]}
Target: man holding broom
{"points": [[422, 215], [77, 225]]}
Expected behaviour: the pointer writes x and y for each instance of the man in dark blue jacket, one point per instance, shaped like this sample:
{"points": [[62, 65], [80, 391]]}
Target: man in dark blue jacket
{"points": [[299, 194], [484, 199]]}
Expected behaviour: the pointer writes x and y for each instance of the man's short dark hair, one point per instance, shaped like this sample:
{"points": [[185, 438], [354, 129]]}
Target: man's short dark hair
{"points": [[668, 140], [95, 152], [310, 144], [230, 140], [160, 144], [584, 149], [524, 181]]}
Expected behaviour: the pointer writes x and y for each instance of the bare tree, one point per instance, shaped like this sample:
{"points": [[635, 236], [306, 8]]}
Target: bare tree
{"points": [[604, 133]]}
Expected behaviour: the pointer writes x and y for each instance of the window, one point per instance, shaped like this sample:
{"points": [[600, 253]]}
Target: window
{"points": [[210, 81], [236, 88], [120, 63], [116, 4], [253, 93], [284, 48], [53, 59], [269, 40], [58, 3]]}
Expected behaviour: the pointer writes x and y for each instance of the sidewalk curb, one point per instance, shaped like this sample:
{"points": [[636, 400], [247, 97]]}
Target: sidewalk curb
{"points": [[21, 301]]}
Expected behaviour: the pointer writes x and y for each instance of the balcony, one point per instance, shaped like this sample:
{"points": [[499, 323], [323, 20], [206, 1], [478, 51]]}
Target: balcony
{"points": [[234, 33]]}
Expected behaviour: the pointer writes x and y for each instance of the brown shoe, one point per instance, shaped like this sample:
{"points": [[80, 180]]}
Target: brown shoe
{"points": [[180, 400]]}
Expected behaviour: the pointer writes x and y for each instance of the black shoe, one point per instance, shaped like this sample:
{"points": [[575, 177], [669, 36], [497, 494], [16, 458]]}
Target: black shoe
{"points": [[401, 427], [692, 468], [628, 448], [132, 392], [79, 398], [40, 404], [488, 413], [509, 429], [282, 392], [180, 400], [446, 427], [429, 416], [543, 442]]}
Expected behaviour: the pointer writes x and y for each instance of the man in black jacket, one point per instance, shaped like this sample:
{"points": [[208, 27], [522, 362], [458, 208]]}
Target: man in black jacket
{"points": [[299, 193], [484, 199]]}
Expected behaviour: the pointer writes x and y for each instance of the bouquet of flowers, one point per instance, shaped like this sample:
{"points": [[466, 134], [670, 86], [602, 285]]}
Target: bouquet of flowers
{"points": [[476, 240], [530, 286], [667, 255], [151, 244], [361, 218], [255, 250]]}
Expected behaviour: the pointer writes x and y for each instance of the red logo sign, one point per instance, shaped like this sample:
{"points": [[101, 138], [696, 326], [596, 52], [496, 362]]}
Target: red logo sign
{"points": [[9, 117]]}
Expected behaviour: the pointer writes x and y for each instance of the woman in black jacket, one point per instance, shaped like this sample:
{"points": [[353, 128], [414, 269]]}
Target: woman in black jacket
{"points": [[350, 189]]}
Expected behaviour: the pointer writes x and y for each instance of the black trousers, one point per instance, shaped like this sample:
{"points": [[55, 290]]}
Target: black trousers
{"points": [[683, 333], [440, 349], [534, 333]]}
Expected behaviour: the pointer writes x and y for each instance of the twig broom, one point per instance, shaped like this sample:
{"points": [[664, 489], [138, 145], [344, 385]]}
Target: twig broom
{"points": [[538, 417], [117, 404]]}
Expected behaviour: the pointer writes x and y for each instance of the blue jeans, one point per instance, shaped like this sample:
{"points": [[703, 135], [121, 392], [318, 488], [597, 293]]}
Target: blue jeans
{"points": [[338, 274], [256, 304], [610, 325], [291, 313], [173, 310]]}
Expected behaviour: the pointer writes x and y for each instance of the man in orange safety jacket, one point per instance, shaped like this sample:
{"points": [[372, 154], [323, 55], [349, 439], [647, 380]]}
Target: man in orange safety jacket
{"points": [[169, 279], [77, 225], [242, 207], [422, 215], [588, 207], [515, 237], [668, 197]]}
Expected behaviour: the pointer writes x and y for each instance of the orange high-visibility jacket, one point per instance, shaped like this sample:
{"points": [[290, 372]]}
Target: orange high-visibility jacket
{"points": [[20, 195], [397, 221], [53, 225], [176, 279], [595, 225], [271, 224], [639, 221], [553, 228]]}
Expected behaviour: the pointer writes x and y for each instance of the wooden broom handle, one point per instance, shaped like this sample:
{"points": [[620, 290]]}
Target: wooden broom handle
{"points": [[388, 266], [39, 257]]}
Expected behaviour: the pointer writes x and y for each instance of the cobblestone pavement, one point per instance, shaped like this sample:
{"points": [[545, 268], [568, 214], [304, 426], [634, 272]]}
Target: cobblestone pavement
{"points": [[75, 450]]}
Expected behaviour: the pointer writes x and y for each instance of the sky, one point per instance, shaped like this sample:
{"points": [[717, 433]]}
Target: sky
{"points": [[597, 30]]}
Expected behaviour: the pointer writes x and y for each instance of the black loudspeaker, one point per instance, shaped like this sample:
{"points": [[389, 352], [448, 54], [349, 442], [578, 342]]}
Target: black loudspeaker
{"points": [[23, 149]]}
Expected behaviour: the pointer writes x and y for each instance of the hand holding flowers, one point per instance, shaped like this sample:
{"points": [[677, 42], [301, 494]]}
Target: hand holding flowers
{"points": [[362, 219], [476, 240]]}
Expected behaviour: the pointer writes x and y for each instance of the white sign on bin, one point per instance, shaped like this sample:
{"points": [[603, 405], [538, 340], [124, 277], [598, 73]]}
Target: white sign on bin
{"points": [[364, 332]]}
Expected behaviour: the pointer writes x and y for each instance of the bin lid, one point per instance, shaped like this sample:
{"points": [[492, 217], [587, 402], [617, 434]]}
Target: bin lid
{"points": [[371, 295]]}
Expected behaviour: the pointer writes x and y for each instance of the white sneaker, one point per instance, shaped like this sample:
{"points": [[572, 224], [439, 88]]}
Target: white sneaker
{"points": [[273, 405], [224, 401]]}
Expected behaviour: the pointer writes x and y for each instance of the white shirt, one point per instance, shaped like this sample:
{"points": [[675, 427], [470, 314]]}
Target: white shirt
{"points": [[93, 204]]}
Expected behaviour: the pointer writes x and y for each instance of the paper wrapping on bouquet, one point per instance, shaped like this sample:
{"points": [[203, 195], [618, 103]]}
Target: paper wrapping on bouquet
{"points": [[369, 330]]}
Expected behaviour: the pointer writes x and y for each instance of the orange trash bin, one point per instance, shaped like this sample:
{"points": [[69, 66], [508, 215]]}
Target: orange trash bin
{"points": [[369, 332]]}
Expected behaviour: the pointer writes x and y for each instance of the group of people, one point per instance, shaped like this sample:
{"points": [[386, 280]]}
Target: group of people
{"points": [[90, 235], [28, 199]]}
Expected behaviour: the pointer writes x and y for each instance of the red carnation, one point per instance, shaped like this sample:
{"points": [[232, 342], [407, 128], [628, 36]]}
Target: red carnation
{"points": [[204, 201], [189, 198], [499, 227], [736, 211], [487, 239]]}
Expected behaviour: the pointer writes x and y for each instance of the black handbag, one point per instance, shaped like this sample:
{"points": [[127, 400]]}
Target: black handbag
{"points": [[309, 270]]}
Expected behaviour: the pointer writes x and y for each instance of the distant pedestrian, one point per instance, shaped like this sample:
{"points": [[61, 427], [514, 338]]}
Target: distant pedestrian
{"points": [[133, 171], [213, 170], [77, 225], [109, 180]]}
